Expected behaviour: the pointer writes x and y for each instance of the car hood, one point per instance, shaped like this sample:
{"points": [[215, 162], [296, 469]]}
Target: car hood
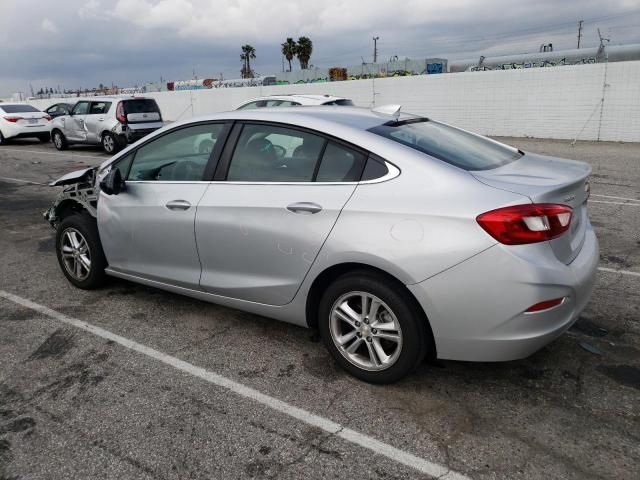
{"points": [[77, 176]]}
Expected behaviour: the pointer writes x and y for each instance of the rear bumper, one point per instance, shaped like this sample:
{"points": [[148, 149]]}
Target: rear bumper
{"points": [[19, 131], [476, 309], [134, 132]]}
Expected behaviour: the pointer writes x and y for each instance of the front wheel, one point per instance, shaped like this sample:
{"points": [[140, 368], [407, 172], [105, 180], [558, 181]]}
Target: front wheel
{"points": [[372, 328], [79, 251], [59, 141]]}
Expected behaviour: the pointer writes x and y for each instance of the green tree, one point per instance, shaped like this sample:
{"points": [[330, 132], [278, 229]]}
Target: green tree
{"points": [[289, 49], [248, 53], [303, 51]]}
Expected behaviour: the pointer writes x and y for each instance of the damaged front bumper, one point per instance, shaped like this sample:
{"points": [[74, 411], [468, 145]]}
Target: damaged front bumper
{"points": [[79, 193]]}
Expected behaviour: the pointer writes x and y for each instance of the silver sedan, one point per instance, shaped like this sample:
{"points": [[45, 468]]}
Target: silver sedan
{"points": [[396, 236]]}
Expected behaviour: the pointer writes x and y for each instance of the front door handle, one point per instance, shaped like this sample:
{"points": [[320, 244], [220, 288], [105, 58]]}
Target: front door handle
{"points": [[178, 205], [304, 207]]}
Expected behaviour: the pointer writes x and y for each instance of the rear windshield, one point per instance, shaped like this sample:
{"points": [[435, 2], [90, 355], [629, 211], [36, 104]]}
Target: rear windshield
{"points": [[143, 105], [18, 108], [449, 144], [343, 102]]}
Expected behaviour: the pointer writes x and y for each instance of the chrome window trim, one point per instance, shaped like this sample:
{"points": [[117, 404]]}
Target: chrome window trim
{"points": [[392, 173]]}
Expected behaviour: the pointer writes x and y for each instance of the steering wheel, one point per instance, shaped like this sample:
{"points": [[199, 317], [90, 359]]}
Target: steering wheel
{"points": [[280, 151], [206, 146]]}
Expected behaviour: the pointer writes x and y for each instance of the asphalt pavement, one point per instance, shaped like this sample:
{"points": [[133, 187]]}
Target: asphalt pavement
{"points": [[132, 382]]}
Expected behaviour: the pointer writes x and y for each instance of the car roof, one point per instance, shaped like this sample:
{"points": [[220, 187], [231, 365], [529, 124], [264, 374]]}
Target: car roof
{"points": [[311, 99], [356, 117], [112, 97]]}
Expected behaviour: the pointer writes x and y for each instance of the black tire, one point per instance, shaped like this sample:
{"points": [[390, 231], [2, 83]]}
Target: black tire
{"points": [[110, 143], [85, 225], [45, 137], [3, 141], [416, 336], [59, 140]]}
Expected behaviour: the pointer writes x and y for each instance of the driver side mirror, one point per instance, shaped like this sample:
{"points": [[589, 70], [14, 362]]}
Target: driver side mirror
{"points": [[113, 183]]}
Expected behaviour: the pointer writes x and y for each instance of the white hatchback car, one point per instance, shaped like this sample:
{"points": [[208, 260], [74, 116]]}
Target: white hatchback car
{"points": [[19, 120], [295, 101]]}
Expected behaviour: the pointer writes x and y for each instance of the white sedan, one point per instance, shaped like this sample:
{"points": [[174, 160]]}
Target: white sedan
{"points": [[19, 120]]}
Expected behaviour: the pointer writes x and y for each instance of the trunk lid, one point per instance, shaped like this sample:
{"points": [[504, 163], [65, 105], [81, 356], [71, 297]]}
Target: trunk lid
{"points": [[29, 118], [548, 180]]}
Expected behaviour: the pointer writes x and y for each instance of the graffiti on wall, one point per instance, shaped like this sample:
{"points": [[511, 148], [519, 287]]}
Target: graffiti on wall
{"points": [[540, 64]]}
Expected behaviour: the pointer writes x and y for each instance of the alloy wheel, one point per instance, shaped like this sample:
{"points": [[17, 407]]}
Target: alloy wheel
{"points": [[57, 140], [108, 143], [76, 255], [365, 331]]}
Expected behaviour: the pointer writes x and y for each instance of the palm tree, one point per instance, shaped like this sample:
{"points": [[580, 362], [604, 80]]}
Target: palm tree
{"points": [[303, 51], [289, 49], [248, 53]]}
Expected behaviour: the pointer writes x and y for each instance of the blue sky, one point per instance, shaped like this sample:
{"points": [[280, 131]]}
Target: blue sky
{"points": [[81, 43]]}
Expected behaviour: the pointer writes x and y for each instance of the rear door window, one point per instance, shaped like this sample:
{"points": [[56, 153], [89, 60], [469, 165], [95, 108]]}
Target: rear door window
{"points": [[340, 164], [266, 153], [98, 108]]}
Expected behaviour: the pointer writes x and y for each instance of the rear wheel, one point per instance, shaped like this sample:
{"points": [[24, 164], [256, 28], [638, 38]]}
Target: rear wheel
{"points": [[59, 141], [110, 143], [79, 251], [371, 327], [45, 137], [3, 140]]}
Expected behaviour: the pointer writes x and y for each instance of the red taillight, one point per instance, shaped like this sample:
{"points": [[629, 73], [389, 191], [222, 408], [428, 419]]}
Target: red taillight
{"points": [[12, 119], [120, 113], [47, 118], [523, 224], [546, 305]]}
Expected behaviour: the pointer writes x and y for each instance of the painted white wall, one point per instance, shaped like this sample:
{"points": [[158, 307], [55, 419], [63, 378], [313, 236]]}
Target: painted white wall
{"points": [[555, 102]]}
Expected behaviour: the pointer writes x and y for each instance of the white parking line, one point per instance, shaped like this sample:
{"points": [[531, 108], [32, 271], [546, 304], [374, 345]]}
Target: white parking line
{"points": [[329, 426], [21, 181], [72, 155], [623, 272], [630, 204], [617, 198]]}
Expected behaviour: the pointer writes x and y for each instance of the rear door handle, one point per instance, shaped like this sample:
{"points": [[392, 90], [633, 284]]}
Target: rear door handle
{"points": [[178, 205], [304, 207]]}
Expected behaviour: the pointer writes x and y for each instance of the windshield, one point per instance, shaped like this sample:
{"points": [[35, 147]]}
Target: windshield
{"points": [[18, 108], [449, 144]]}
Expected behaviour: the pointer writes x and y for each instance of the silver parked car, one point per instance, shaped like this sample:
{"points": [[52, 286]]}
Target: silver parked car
{"points": [[112, 122], [397, 236]]}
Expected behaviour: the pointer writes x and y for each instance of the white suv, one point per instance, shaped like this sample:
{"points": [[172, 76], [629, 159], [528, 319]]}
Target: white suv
{"points": [[294, 101], [112, 122]]}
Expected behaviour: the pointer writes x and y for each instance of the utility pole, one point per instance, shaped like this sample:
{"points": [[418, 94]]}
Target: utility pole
{"points": [[579, 31], [375, 49]]}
